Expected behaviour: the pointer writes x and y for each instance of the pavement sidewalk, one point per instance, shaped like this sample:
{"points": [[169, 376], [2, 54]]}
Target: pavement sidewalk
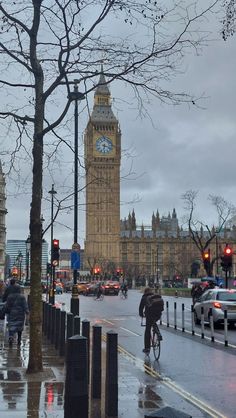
{"points": [[42, 395]]}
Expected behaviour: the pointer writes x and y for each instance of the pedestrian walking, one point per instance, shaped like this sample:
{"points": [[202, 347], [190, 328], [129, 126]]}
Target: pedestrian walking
{"points": [[12, 288], [17, 310]]}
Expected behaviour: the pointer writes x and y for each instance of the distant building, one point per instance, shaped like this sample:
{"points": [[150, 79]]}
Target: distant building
{"points": [[14, 247]]}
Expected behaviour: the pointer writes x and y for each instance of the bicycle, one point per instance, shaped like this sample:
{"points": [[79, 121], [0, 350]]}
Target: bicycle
{"points": [[156, 339], [123, 294], [100, 298]]}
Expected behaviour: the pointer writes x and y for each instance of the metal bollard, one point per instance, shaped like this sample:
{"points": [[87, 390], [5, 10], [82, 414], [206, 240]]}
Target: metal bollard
{"points": [[76, 325], [167, 314], [202, 322], [62, 334], [226, 327], [96, 373], [111, 383], [86, 334], [69, 325], [57, 328], [45, 319], [49, 320], [182, 317], [175, 315], [192, 317], [76, 382], [53, 324], [211, 325]]}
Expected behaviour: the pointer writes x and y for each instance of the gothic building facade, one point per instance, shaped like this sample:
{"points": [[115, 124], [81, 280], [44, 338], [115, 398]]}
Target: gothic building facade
{"points": [[161, 249]]}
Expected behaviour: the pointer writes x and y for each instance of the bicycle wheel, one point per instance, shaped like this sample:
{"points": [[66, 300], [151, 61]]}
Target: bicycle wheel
{"points": [[156, 344], [122, 296]]}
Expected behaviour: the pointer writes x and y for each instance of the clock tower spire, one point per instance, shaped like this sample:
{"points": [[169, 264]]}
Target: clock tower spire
{"points": [[102, 144]]}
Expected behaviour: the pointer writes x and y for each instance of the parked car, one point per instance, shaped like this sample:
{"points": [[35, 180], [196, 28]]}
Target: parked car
{"points": [[111, 287], [219, 300]]}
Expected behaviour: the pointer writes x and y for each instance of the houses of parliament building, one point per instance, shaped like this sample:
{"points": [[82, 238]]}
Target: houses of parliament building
{"points": [[162, 249]]}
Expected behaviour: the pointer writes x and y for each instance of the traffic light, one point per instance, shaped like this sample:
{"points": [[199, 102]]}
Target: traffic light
{"points": [[206, 255], [55, 252], [49, 269], [226, 259], [97, 270]]}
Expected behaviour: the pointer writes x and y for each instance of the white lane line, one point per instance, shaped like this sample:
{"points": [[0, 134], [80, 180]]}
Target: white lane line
{"points": [[108, 322], [131, 332]]}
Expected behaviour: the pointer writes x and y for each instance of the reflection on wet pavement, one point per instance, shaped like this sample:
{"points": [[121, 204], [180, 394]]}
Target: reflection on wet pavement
{"points": [[34, 395]]}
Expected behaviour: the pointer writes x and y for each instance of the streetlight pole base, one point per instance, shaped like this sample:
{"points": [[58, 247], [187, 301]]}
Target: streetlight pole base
{"points": [[74, 302]]}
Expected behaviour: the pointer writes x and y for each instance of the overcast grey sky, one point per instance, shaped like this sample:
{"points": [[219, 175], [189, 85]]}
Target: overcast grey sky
{"points": [[178, 148]]}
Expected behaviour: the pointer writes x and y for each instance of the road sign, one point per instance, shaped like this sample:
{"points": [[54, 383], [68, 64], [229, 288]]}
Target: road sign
{"points": [[75, 260]]}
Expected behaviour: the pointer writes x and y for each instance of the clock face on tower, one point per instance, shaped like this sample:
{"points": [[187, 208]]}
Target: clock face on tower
{"points": [[104, 145]]}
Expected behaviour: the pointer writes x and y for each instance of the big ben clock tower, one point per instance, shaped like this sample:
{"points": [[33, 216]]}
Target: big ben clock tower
{"points": [[102, 163]]}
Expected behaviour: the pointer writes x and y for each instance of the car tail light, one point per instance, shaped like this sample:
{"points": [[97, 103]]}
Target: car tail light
{"points": [[106, 287], [217, 305]]}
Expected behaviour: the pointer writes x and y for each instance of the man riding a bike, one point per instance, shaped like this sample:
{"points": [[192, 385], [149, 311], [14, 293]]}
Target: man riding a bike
{"points": [[99, 291], [124, 288], [150, 307]]}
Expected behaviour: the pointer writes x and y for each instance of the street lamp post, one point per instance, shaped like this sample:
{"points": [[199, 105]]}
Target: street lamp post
{"points": [[75, 255], [27, 242], [19, 259], [52, 275]]}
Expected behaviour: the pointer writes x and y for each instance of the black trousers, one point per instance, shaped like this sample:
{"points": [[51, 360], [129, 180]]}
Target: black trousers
{"points": [[147, 334]]}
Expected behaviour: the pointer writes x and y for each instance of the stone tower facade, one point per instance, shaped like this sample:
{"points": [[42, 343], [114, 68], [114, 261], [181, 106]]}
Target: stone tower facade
{"points": [[3, 212], [102, 144]]}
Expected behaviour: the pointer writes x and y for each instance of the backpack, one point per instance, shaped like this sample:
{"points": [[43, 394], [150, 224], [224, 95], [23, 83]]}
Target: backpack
{"points": [[154, 306]]}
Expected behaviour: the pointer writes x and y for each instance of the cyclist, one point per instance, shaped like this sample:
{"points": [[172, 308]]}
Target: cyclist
{"points": [[99, 290], [150, 307], [124, 288]]}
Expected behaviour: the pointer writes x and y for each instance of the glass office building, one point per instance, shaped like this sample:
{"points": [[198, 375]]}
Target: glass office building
{"points": [[17, 255]]}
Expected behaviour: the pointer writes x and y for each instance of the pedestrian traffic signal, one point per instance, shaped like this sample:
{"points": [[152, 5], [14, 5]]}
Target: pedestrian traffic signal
{"points": [[206, 255], [97, 270], [55, 252], [227, 258]]}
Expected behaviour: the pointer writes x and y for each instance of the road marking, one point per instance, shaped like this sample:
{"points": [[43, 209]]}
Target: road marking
{"points": [[131, 332], [172, 385], [108, 322]]}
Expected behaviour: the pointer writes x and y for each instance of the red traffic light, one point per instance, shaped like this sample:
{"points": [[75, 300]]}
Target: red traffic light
{"points": [[56, 243], [228, 251]]}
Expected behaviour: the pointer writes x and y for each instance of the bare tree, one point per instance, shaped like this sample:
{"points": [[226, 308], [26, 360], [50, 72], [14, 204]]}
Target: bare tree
{"points": [[229, 26], [46, 44], [201, 233]]}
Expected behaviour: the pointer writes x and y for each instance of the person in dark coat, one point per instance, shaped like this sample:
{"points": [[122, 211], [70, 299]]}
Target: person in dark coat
{"points": [[17, 309], [151, 317], [12, 288]]}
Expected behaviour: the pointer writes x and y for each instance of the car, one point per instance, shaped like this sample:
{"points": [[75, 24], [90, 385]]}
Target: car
{"points": [[82, 287], [68, 285], [219, 300], [111, 287], [91, 288]]}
